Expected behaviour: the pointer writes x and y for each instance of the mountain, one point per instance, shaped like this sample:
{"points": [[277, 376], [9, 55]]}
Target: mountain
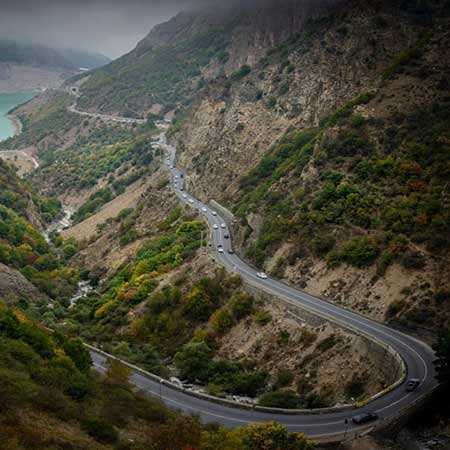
{"points": [[323, 129], [171, 64], [44, 57], [29, 66]]}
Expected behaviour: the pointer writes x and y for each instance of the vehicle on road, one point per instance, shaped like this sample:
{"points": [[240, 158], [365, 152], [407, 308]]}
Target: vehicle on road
{"points": [[184, 196], [204, 209], [230, 251], [191, 200], [181, 188], [412, 384], [215, 226], [223, 225], [261, 275], [226, 236], [364, 418], [220, 249], [214, 213]]}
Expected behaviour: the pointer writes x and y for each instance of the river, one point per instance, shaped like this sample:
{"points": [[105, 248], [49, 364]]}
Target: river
{"points": [[7, 102]]}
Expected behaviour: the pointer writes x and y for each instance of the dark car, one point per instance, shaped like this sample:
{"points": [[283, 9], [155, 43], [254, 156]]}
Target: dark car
{"points": [[364, 418], [226, 236], [230, 251], [412, 384]]}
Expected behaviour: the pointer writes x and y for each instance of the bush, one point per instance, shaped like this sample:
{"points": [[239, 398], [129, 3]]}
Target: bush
{"points": [[359, 251], [241, 305], [280, 399], [263, 317], [284, 378], [241, 73], [322, 244], [395, 307], [101, 430]]}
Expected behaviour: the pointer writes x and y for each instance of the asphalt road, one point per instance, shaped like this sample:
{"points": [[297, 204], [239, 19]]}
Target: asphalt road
{"points": [[417, 356]]}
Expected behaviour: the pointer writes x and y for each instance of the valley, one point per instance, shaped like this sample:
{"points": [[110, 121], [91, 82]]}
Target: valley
{"points": [[252, 227]]}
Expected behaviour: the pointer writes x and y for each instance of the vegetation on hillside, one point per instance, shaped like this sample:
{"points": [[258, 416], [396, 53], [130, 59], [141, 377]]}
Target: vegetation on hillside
{"points": [[51, 398], [160, 73], [381, 192], [23, 247]]}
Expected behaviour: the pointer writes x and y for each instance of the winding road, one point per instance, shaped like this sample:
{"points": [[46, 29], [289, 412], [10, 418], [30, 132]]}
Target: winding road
{"points": [[332, 425]]}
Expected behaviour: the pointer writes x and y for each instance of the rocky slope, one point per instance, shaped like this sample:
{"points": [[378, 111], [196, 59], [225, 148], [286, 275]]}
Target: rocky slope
{"points": [[361, 98], [169, 66]]}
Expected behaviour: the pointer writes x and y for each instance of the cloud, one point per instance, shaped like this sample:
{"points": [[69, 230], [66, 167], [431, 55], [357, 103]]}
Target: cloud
{"points": [[112, 27]]}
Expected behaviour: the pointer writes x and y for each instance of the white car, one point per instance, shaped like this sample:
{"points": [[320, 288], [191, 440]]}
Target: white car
{"points": [[261, 275], [184, 196], [214, 213], [204, 209], [191, 200], [223, 225], [220, 250], [215, 226]]}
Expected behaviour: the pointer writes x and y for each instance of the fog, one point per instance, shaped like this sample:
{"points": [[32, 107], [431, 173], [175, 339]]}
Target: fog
{"points": [[111, 27]]}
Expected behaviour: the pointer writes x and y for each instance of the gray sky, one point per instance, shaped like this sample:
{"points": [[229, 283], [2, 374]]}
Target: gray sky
{"points": [[111, 27]]}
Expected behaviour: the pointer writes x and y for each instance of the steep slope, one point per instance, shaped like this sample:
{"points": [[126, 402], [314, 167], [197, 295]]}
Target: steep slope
{"points": [[31, 270], [51, 399], [172, 63], [332, 152]]}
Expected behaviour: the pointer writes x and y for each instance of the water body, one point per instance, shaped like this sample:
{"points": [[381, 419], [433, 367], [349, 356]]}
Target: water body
{"points": [[7, 102]]}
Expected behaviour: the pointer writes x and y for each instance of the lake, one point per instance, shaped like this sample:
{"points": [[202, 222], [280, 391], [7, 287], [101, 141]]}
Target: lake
{"points": [[7, 102]]}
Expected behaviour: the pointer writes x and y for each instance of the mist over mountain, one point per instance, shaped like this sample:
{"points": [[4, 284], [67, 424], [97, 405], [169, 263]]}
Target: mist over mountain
{"points": [[41, 56]]}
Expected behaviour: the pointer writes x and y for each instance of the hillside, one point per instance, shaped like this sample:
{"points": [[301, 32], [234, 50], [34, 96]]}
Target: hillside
{"points": [[169, 66], [51, 398], [323, 129], [337, 179]]}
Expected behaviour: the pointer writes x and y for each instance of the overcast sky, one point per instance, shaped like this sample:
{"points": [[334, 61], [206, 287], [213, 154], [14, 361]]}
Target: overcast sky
{"points": [[111, 27]]}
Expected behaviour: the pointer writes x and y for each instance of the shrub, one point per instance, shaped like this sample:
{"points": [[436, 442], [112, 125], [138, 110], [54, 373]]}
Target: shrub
{"points": [[280, 399], [101, 430], [284, 378], [327, 343], [359, 251], [395, 307], [322, 244], [262, 317], [241, 73], [241, 305]]}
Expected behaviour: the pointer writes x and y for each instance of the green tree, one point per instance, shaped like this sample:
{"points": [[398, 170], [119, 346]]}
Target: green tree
{"points": [[75, 349], [193, 361], [273, 436]]}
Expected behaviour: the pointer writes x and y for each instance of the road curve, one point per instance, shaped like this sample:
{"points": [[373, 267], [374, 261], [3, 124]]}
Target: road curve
{"points": [[416, 355]]}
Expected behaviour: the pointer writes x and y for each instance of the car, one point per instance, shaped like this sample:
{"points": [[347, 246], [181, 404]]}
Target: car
{"points": [[412, 384], [181, 188], [204, 209], [261, 275], [230, 251], [184, 196], [176, 177], [215, 226], [191, 200], [220, 250], [214, 213], [226, 236], [223, 225], [364, 418]]}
